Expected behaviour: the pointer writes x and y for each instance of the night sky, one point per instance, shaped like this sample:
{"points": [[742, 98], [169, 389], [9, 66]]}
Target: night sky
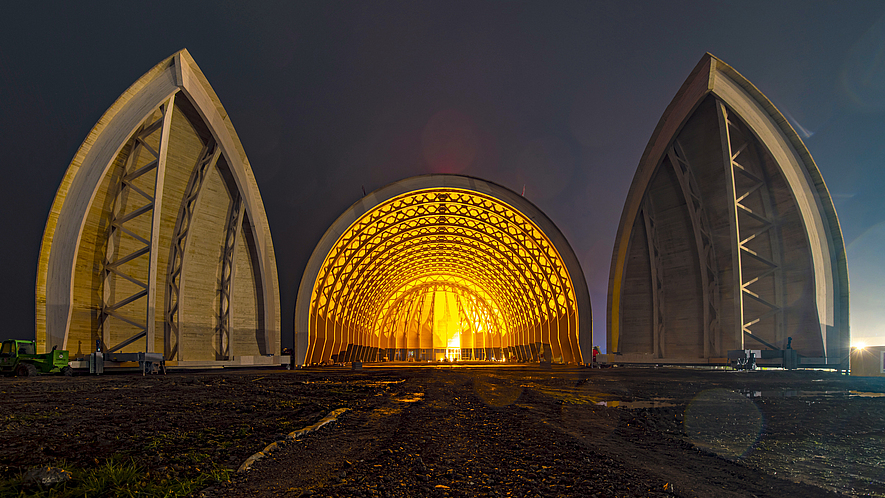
{"points": [[329, 98]]}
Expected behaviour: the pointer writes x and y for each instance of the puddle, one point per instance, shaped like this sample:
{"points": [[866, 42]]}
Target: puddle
{"points": [[629, 405], [378, 383], [795, 393], [578, 396], [360, 383], [386, 412], [499, 393], [415, 397]]}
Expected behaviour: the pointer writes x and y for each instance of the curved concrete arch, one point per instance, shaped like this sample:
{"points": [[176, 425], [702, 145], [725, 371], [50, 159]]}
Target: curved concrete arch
{"points": [[740, 150], [195, 133], [458, 184]]}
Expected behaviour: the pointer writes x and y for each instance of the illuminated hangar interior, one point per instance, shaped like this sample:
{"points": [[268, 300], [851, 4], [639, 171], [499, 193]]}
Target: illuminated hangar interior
{"points": [[442, 268], [157, 240], [729, 239]]}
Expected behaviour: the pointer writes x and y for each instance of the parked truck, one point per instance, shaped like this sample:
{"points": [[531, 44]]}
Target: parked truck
{"points": [[20, 358]]}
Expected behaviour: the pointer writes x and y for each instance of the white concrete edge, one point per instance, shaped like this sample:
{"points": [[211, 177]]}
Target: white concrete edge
{"points": [[331, 417], [194, 86], [804, 193], [80, 196]]}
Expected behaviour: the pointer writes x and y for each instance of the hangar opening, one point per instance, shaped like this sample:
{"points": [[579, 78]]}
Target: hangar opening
{"points": [[442, 268]]}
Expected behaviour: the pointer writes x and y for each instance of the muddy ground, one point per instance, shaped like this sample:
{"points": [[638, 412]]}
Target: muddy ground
{"points": [[464, 431]]}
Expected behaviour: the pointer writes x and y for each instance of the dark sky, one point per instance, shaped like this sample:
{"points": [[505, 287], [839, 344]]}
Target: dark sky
{"points": [[559, 97]]}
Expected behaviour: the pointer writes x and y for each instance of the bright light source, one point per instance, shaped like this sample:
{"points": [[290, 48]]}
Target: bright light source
{"points": [[859, 345]]}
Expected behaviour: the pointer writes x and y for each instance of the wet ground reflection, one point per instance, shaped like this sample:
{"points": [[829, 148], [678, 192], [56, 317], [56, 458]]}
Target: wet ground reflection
{"points": [[831, 438], [793, 393]]}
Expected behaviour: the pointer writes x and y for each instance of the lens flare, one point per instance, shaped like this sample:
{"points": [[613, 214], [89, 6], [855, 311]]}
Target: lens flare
{"points": [[723, 422]]}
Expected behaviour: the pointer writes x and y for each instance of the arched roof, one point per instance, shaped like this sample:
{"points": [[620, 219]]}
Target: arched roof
{"points": [[441, 228]]}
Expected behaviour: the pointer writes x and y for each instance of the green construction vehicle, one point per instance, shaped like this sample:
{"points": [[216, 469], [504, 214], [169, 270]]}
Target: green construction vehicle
{"points": [[20, 358]]}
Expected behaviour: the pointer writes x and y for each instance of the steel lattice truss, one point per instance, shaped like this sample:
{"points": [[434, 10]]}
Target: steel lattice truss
{"points": [[491, 252], [761, 285], [137, 192], [704, 244], [208, 159]]}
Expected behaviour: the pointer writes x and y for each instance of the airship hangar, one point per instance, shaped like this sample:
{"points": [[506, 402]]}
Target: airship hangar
{"points": [[158, 243]]}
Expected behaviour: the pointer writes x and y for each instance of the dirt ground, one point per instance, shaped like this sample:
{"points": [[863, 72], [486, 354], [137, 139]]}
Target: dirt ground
{"points": [[465, 431]]}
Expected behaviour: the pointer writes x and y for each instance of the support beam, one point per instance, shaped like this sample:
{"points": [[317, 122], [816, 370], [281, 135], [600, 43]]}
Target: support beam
{"points": [[657, 280], [172, 333], [125, 266], [228, 274], [156, 219], [755, 217], [737, 289], [704, 244]]}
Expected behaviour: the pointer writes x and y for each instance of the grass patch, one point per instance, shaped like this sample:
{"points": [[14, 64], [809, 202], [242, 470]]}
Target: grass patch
{"points": [[215, 438], [123, 478]]}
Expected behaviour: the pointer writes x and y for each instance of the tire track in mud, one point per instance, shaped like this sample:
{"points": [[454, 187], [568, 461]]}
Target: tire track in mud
{"points": [[449, 434], [311, 461]]}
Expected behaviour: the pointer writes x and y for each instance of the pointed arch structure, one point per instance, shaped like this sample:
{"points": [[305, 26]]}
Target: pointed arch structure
{"points": [[442, 266], [729, 239], [157, 240]]}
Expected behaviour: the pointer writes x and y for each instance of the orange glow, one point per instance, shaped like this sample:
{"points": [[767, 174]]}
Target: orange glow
{"points": [[443, 272]]}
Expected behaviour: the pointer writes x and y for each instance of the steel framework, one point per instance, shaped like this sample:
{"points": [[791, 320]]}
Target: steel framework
{"points": [[208, 159], [408, 323], [659, 343], [228, 272]]}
